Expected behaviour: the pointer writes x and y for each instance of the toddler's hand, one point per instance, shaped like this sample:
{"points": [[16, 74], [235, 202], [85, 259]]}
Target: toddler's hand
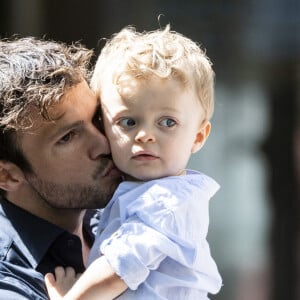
{"points": [[60, 283]]}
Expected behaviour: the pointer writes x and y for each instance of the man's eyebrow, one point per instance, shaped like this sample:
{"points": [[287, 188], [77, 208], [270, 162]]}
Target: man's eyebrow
{"points": [[63, 129]]}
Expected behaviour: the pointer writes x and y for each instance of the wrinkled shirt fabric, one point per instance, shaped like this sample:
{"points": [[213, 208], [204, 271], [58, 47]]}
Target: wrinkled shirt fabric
{"points": [[153, 234]]}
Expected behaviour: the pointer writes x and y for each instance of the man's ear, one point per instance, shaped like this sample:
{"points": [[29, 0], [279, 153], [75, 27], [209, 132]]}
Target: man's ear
{"points": [[11, 176], [201, 136]]}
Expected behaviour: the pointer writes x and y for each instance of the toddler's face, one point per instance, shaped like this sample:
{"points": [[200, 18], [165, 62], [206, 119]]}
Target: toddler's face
{"points": [[152, 126]]}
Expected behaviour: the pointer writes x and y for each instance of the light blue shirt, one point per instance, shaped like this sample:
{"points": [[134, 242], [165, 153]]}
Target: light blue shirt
{"points": [[153, 234]]}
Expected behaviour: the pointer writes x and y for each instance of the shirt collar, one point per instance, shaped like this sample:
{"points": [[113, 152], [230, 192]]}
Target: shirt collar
{"points": [[34, 235]]}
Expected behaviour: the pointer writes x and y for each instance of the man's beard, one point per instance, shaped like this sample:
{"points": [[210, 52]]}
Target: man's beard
{"points": [[72, 195]]}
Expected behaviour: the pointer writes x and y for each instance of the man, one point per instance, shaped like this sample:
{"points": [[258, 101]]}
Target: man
{"points": [[54, 161]]}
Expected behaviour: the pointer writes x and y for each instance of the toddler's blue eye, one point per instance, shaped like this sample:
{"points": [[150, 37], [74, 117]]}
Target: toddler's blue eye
{"points": [[167, 122], [127, 122]]}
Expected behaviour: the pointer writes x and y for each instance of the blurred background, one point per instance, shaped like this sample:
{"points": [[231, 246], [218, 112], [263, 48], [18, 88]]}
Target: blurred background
{"points": [[254, 147]]}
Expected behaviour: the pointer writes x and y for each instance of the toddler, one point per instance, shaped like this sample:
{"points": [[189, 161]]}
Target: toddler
{"points": [[156, 91]]}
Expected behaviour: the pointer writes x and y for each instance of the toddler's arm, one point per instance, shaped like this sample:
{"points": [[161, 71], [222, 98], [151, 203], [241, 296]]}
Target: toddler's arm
{"points": [[99, 281]]}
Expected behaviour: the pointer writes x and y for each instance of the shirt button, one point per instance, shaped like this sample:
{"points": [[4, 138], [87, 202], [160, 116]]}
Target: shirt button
{"points": [[70, 243]]}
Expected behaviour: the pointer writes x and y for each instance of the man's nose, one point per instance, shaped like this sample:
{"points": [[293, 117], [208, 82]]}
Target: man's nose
{"points": [[98, 144]]}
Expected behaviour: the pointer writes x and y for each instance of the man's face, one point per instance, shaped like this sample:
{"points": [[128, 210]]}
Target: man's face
{"points": [[69, 157]]}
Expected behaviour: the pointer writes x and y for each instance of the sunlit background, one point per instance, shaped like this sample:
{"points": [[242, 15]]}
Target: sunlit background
{"points": [[254, 147]]}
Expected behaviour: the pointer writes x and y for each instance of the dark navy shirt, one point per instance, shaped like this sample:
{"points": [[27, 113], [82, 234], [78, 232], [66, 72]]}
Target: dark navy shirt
{"points": [[30, 247]]}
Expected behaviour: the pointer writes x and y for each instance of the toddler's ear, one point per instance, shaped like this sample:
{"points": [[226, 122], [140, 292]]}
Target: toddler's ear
{"points": [[201, 136], [11, 176]]}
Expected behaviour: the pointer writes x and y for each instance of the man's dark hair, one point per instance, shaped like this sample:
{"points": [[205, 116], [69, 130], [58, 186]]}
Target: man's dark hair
{"points": [[34, 74]]}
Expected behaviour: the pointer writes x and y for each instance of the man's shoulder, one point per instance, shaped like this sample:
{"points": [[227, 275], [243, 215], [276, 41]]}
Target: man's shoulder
{"points": [[12, 257], [6, 236], [18, 278], [16, 284]]}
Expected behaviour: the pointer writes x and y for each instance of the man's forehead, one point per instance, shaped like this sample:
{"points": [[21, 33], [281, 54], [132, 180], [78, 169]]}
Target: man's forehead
{"points": [[35, 119], [74, 106]]}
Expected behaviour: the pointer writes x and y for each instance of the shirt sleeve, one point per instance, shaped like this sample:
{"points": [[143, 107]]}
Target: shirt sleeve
{"points": [[136, 249]]}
